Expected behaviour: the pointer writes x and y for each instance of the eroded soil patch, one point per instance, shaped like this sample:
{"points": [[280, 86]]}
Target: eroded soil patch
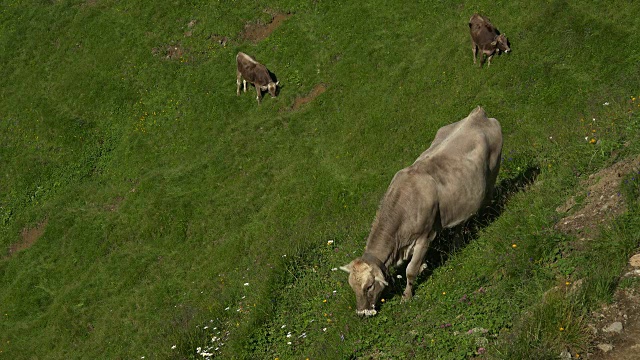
{"points": [[602, 203], [28, 237], [616, 327], [256, 32], [315, 92], [169, 52]]}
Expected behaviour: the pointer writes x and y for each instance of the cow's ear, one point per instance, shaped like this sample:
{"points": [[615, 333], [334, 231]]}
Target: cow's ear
{"points": [[347, 267], [381, 280], [277, 82], [494, 43]]}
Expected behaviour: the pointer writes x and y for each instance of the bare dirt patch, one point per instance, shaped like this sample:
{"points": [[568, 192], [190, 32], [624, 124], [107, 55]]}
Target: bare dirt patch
{"points": [[28, 237], [603, 201], [616, 327], [169, 52], [115, 204], [315, 92], [256, 32]]}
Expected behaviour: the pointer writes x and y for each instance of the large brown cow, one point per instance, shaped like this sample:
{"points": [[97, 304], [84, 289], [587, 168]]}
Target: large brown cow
{"points": [[445, 186], [486, 38], [249, 70]]}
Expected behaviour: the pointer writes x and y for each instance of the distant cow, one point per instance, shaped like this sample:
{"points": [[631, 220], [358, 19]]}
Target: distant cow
{"points": [[249, 70], [486, 38], [445, 186]]}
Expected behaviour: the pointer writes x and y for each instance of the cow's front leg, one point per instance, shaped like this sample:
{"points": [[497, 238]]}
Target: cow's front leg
{"points": [[489, 60], [259, 95], [238, 77], [474, 49], [415, 265], [244, 82]]}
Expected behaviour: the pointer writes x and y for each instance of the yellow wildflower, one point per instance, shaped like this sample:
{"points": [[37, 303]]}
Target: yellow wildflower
{"points": [[592, 141], [514, 246]]}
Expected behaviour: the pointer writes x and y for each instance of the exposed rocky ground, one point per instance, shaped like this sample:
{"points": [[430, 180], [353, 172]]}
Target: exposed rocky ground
{"points": [[615, 327]]}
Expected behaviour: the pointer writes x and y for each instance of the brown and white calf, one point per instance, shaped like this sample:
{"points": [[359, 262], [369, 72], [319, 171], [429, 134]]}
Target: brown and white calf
{"points": [[251, 71], [486, 38], [446, 185]]}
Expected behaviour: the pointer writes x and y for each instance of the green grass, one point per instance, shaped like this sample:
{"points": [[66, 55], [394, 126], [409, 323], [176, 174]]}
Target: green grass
{"points": [[165, 194]]}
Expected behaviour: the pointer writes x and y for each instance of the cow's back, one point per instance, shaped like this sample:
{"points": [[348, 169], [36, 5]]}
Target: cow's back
{"points": [[482, 30], [463, 160], [251, 70]]}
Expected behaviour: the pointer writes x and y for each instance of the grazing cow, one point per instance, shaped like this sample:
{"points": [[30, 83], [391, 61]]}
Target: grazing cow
{"points": [[249, 70], [445, 186], [486, 38]]}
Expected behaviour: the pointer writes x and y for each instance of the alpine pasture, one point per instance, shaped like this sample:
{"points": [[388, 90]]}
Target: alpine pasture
{"points": [[148, 211]]}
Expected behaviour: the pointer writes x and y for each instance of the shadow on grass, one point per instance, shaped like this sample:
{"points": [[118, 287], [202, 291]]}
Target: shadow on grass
{"points": [[450, 240]]}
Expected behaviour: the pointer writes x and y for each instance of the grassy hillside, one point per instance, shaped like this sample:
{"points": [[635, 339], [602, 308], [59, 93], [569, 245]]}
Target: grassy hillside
{"points": [[146, 210]]}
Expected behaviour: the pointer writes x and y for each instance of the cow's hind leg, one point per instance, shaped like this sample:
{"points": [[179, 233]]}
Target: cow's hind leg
{"points": [[415, 265], [259, 95], [238, 82]]}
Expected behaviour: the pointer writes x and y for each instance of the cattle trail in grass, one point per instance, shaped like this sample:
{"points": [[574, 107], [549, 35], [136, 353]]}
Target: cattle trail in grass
{"points": [[28, 236], [257, 32], [315, 92]]}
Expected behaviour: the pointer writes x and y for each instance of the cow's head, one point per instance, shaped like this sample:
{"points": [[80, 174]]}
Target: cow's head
{"points": [[272, 88], [502, 43], [367, 281]]}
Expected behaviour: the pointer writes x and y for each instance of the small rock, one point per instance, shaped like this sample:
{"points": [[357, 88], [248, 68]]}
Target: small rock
{"points": [[576, 285], [613, 327], [635, 272], [565, 355], [635, 260], [594, 330], [605, 347]]}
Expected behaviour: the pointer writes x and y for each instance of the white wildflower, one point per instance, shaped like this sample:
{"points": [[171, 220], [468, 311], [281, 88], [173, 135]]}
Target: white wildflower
{"points": [[334, 269], [399, 276], [173, 347], [288, 342], [329, 242], [606, 104], [283, 326], [246, 284]]}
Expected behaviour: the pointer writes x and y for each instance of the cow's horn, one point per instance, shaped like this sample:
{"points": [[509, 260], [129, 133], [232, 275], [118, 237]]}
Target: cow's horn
{"points": [[381, 280], [347, 268]]}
